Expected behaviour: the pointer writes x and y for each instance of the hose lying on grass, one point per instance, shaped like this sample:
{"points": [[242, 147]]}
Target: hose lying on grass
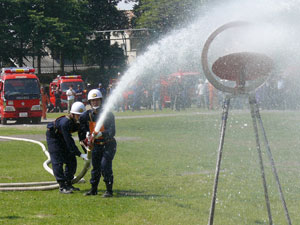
{"points": [[46, 185]]}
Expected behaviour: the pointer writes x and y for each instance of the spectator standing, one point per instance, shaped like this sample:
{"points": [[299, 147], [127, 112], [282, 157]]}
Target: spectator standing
{"points": [[281, 94], [200, 91], [102, 90], [148, 97], [211, 96], [45, 102], [88, 87], [79, 93], [178, 94], [171, 92], [120, 103], [137, 95], [184, 95], [71, 97], [206, 93], [156, 96], [57, 96]]}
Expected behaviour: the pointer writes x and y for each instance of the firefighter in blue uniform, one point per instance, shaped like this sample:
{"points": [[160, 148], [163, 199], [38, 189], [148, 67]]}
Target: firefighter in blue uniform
{"points": [[62, 148], [103, 143]]}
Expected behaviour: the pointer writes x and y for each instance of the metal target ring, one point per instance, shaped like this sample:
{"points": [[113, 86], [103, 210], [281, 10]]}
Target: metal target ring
{"points": [[236, 66]]}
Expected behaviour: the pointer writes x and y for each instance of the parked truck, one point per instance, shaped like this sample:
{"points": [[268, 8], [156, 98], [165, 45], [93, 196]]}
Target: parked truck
{"points": [[63, 83], [20, 95]]}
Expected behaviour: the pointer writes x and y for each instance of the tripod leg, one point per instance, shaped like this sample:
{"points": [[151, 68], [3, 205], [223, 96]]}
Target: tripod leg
{"points": [[253, 115], [257, 114], [220, 150]]}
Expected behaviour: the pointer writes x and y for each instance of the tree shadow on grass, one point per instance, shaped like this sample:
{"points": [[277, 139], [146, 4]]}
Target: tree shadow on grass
{"points": [[136, 194], [259, 222], [10, 217]]}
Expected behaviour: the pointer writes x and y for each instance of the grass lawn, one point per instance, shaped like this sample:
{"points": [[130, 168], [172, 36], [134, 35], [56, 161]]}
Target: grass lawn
{"points": [[164, 172]]}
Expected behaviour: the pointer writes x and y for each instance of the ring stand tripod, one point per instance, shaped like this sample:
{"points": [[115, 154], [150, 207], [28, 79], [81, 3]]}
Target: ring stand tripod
{"points": [[249, 71]]}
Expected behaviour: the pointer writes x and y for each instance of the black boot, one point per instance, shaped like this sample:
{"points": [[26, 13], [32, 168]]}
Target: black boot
{"points": [[109, 192], [93, 191], [63, 188], [71, 187]]}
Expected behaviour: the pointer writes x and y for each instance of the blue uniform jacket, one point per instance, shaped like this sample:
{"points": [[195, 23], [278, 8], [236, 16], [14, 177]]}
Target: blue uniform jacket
{"points": [[109, 124], [63, 129]]}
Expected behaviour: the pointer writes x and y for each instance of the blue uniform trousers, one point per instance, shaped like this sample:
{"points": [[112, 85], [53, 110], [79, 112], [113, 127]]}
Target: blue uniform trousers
{"points": [[60, 156], [102, 156]]}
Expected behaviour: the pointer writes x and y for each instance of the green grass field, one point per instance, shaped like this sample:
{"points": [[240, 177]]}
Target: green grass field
{"points": [[164, 172]]}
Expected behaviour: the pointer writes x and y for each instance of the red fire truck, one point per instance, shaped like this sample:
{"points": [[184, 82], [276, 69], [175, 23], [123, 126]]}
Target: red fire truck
{"points": [[20, 95], [63, 83]]}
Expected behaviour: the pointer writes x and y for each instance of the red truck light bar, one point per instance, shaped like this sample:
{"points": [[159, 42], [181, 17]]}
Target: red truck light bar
{"points": [[71, 77], [18, 70]]}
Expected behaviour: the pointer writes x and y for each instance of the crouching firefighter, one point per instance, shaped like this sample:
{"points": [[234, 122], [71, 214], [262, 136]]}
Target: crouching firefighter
{"points": [[62, 148], [102, 143]]}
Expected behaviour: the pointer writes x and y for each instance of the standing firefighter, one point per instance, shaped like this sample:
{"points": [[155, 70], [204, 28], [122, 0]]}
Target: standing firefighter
{"points": [[62, 148], [45, 102], [57, 95], [102, 143]]}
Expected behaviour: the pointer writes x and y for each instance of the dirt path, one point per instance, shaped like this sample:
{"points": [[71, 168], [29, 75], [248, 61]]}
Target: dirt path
{"points": [[40, 137], [43, 123]]}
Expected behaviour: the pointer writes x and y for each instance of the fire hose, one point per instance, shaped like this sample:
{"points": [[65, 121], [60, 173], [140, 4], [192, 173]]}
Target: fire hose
{"points": [[46, 185]]}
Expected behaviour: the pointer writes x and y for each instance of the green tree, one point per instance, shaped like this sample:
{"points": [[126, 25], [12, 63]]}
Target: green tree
{"points": [[19, 29], [103, 17], [6, 37], [39, 32], [162, 16], [66, 27], [67, 30]]}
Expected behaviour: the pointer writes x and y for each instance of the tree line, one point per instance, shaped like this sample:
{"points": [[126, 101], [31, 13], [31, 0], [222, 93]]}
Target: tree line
{"points": [[67, 29]]}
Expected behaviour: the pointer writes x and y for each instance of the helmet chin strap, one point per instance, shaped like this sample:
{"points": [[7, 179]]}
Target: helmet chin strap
{"points": [[96, 107]]}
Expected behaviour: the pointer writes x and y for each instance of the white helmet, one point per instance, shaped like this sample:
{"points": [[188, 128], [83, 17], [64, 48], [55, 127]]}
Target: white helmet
{"points": [[77, 108], [94, 94]]}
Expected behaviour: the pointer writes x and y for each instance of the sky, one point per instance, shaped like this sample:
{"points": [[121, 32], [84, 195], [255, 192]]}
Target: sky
{"points": [[125, 6]]}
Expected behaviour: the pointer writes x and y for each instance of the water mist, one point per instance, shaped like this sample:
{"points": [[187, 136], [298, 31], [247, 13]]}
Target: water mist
{"points": [[275, 34]]}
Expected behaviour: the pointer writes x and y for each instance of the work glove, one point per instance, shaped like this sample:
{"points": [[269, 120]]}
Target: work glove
{"points": [[89, 140], [87, 134], [84, 156]]}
